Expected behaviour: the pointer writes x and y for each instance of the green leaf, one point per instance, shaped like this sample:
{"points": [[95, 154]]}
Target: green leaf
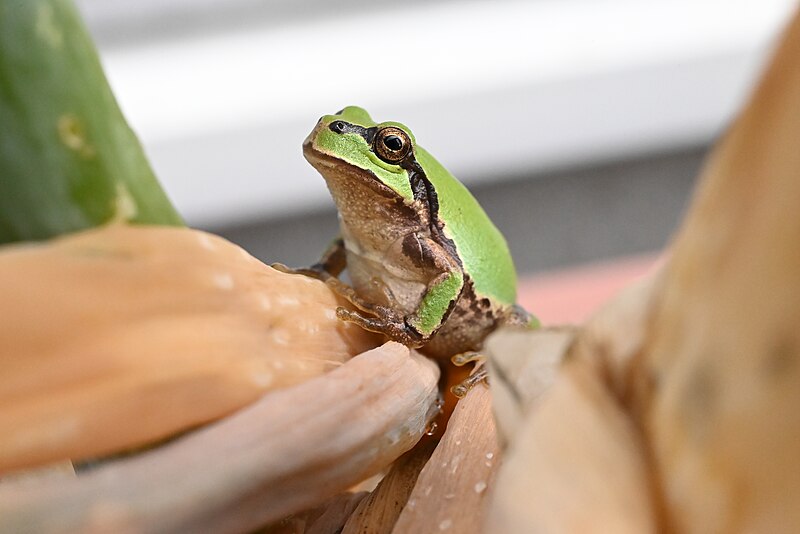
{"points": [[68, 159]]}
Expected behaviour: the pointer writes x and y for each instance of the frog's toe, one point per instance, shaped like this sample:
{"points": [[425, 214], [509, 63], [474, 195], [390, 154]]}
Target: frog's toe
{"points": [[463, 358], [311, 272], [388, 324], [461, 389], [373, 324], [282, 268]]}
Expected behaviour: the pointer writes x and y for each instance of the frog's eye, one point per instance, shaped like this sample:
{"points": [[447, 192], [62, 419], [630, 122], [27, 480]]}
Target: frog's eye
{"points": [[338, 126], [392, 144]]}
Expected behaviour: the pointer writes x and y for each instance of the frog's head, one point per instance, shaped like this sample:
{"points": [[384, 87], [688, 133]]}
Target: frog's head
{"points": [[349, 146]]}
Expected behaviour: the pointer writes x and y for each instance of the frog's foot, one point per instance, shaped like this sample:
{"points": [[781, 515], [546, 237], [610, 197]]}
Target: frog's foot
{"points": [[385, 322], [463, 358], [460, 390], [315, 271]]}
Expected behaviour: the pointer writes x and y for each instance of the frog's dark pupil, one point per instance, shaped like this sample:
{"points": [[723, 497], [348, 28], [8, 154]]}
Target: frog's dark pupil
{"points": [[393, 142], [337, 126]]}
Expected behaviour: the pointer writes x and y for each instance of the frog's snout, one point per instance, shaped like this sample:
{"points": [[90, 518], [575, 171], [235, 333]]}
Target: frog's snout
{"points": [[309, 140]]}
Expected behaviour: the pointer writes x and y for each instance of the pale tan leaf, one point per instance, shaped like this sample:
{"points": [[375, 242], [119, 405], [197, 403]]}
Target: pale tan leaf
{"points": [[287, 452], [450, 493], [120, 336]]}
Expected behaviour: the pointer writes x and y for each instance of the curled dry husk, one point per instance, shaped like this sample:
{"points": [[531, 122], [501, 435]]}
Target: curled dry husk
{"points": [[574, 461], [121, 336], [438, 486], [676, 406], [288, 451], [451, 491]]}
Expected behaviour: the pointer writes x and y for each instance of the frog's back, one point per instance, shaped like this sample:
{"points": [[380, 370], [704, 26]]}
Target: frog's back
{"points": [[482, 248]]}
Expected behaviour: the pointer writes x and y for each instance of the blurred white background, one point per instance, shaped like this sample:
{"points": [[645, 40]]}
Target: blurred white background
{"points": [[598, 111]]}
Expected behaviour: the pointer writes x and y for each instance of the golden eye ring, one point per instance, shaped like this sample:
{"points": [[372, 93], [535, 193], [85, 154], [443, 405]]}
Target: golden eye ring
{"points": [[392, 144]]}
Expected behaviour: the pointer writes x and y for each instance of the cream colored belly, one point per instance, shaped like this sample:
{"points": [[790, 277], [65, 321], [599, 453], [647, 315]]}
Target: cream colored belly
{"points": [[386, 280]]}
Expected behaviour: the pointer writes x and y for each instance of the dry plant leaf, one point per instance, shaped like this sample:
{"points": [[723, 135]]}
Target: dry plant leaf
{"points": [[378, 512], [676, 407], [116, 337], [574, 462], [719, 387], [450, 493], [287, 452], [522, 366], [327, 518]]}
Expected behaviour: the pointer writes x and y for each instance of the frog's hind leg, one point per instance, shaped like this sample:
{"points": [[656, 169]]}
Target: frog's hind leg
{"points": [[463, 358], [516, 317]]}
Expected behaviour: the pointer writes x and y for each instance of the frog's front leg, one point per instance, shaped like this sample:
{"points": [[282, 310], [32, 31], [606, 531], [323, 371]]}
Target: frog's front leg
{"points": [[436, 303], [385, 322], [413, 330], [330, 265]]}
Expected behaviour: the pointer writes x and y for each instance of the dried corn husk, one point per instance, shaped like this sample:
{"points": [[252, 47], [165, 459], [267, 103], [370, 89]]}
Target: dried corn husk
{"points": [[291, 450], [379, 511], [451, 491], [121, 336], [675, 408], [574, 462], [718, 391]]}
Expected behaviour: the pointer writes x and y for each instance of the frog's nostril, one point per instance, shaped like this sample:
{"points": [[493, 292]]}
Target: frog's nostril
{"points": [[337, 126]]}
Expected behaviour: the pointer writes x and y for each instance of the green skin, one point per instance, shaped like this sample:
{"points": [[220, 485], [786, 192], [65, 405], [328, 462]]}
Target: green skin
{"points": [[428, 267]]}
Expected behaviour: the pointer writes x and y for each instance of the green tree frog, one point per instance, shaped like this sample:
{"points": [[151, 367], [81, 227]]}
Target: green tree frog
{"points": [[428, 268]]}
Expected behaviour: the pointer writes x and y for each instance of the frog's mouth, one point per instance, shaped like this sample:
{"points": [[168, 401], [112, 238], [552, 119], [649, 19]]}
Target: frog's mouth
{"points": [[343, 177]]}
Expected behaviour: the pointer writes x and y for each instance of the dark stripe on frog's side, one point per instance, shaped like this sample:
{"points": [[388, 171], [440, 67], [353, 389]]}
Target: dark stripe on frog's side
{"points": [[425, 192]]}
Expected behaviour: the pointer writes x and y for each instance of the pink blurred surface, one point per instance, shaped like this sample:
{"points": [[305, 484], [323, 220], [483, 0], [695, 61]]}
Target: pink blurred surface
{"points": [[572, 294]]}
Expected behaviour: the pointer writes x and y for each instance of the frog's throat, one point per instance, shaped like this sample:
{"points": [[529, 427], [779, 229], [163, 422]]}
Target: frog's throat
{"points": [[344, 179]]}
